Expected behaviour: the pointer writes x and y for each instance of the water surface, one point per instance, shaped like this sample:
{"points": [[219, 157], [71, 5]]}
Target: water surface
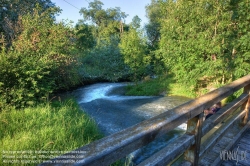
{"points": [[113, 111]]}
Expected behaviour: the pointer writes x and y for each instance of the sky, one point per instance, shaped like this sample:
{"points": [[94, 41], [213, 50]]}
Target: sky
{"points": [[131, 7]]}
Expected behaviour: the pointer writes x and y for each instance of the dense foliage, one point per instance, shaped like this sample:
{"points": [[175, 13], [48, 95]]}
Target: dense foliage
{"points": [[133, 47], [205, 42], [104, 61], [11, 10], [153, 12], [108, 22], [40, 61]]}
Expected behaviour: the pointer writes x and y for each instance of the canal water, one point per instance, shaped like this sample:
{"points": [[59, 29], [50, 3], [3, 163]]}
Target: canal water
{"points": [[113, 111]]}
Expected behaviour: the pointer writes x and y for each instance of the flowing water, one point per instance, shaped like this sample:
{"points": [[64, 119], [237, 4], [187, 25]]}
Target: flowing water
{"points": [[113, 111]]}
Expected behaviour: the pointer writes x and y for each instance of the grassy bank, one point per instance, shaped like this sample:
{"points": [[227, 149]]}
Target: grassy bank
{"points": [[167, 86], [159, 86], [53, 127]]}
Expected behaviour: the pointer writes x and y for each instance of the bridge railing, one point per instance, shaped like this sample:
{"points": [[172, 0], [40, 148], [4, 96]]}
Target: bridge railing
{"points": [[114, 147]]}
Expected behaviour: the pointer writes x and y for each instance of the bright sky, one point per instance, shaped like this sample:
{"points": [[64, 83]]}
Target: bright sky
{"points": [[130, 7]]}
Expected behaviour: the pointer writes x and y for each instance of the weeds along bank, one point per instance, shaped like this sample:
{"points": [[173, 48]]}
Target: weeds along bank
{"points": [[48, 128]]}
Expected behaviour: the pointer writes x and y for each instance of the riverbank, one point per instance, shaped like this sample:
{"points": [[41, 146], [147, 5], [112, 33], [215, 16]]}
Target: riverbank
{"points": [[168, 87], [44, 131], [159, 86]]}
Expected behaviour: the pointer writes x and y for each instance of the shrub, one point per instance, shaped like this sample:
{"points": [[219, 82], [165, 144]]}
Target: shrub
{"points": [[41, 60]]}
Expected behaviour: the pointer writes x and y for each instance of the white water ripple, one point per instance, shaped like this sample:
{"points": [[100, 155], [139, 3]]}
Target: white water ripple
{"points": [[101, 91]]}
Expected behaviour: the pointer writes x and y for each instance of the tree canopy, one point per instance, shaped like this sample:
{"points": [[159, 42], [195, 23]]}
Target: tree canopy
{"points": [[204, 40], [134, 49], [153, 12], [108, 22], [40, 61], [11, 10]]}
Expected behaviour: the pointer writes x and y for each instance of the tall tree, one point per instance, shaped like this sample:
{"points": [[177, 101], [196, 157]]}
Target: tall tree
{"points": [[241, 40], [198, 39], [154, 15], [108, 22], [153, 12], [104, 61], [133, 47]]}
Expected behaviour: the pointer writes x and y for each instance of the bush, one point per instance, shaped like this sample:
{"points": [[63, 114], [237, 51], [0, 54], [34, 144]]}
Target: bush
{"points": [[41, 61]]}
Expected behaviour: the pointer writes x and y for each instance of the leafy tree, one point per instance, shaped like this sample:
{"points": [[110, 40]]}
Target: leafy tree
{"points": [[241, 40], [105, 63], [136, 22], [108, 22], [133, 47], [152, 28], [85, 38], [199, 40], [153, 12], [99, 16], [39, 62], [10, 10]]}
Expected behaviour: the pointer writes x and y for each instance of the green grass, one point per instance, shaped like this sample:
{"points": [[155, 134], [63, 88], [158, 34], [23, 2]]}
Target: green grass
{"points": [[146, 88], [159, 86], [167, 86], [58, 126]]}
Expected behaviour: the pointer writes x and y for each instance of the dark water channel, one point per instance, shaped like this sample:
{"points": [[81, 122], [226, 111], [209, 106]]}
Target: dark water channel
{"points": [[112, 111]]}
